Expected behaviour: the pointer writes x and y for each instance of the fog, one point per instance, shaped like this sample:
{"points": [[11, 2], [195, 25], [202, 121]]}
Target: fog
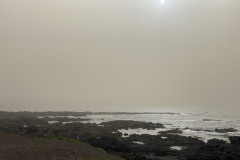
{"points": [[120, 55]]}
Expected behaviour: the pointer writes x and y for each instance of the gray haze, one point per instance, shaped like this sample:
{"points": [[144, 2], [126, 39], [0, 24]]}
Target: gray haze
{"points": [[117, 55]]}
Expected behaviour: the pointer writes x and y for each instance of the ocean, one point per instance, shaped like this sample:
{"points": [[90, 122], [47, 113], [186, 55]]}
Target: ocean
{"points": [[199, 124]]}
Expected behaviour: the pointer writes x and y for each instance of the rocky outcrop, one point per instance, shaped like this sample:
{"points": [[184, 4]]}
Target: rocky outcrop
{"points": [[122, 124], [225, 130], [172, 131], [235, 140]]}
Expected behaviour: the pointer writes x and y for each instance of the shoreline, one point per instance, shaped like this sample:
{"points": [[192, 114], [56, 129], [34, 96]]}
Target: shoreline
{"points": [[107, 133]]}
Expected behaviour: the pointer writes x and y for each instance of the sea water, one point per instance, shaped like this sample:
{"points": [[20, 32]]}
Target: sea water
{"points": [[198, 124], [201, 125]]}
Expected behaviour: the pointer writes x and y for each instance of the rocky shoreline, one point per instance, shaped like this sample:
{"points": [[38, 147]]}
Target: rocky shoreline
{"points": [[132, 147]]}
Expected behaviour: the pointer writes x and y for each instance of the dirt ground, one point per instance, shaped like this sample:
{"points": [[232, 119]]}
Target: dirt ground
{"points": [[17, 147]]}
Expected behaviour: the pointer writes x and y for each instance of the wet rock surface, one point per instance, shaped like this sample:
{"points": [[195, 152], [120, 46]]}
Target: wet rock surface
{"points": [[211, 120], [122, 124], [225, 130], [172, 131], [235, 140], [213, 149]]}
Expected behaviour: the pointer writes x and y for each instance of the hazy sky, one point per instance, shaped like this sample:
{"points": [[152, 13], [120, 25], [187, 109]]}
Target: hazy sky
{"points": [[119, 54]]}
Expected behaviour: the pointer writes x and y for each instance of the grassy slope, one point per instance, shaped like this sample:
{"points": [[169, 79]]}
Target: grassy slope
{"points": [[13, 146]]}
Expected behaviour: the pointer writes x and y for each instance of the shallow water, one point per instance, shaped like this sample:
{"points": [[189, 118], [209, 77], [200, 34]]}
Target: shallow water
{"points": [[198, 124], [192, 124]]}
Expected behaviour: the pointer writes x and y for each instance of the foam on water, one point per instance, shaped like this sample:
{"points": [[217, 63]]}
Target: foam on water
{"points": [[141, 131], [201, 125], [178, 148], [52, 122], [138, 142]]}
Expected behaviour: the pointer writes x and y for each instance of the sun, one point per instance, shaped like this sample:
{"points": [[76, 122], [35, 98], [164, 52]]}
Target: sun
{"points": [[162, 1]]}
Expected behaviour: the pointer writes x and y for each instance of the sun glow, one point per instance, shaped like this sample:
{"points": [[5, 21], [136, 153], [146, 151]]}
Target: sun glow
{"points": [[162, 1]]}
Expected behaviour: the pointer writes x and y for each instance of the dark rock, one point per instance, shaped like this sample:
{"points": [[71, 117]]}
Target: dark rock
{"points": [[211, 120], [172, 131], [225, 130], [213, 150], [235, 140], [125, 124], [199, 129]]}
